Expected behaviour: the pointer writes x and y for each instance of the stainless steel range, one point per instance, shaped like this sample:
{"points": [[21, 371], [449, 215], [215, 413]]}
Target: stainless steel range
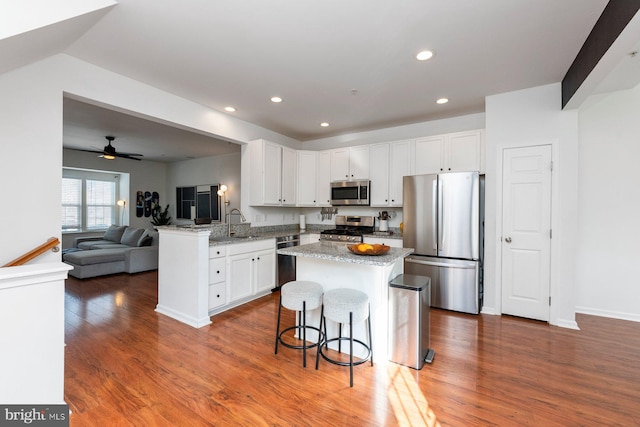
{"points": [[349, 229]]}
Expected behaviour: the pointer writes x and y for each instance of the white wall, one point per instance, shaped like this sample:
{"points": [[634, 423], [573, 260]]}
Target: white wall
{"points": [[206, 171], [525, 118], [607, 267], [31, 123]]}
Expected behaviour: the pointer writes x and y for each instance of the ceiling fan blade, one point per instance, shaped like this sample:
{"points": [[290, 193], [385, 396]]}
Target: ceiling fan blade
{"points": [[128, 156]]}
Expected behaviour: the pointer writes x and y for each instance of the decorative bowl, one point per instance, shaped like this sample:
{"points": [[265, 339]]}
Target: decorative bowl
{"points": [[369, 249]]}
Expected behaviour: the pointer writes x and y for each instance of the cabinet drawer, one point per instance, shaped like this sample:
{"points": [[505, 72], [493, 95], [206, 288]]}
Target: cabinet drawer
{"points": [[217, 270], [217, 295], [217, 251]]}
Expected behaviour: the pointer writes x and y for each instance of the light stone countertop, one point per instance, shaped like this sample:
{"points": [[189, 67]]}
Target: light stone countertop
{"points": [[339, 252]]}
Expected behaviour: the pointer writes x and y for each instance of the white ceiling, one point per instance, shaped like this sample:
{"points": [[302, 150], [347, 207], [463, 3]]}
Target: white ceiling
{"points": [[315, 54]]}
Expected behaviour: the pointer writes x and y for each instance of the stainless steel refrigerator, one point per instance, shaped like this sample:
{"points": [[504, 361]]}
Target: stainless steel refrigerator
{"points": [[442, 216]]}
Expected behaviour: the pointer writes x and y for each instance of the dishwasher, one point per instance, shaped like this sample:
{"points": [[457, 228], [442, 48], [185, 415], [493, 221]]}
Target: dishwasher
{"points": [[286, 263]]}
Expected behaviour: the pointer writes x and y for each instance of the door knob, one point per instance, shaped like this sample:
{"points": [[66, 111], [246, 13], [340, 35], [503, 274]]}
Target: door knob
{"points": [[508, 240]]}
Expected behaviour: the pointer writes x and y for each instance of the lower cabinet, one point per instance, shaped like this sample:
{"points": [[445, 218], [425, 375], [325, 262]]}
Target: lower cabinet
{"points": [[217, 276], [249, 270], [394, 243]]}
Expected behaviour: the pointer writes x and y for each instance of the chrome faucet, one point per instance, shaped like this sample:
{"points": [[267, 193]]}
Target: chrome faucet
{"points": [[234, 211]]}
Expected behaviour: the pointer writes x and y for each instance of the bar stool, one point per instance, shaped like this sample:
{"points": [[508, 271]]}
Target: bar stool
{"points": [[299, 296], [345, 306]]}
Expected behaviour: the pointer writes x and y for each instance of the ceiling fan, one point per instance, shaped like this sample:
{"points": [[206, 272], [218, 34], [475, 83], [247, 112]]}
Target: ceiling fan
{"points": [[109, 151]]}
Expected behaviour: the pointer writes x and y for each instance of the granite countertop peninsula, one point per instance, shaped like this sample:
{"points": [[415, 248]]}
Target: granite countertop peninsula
{"points": [[242, 232], [339, 252]]}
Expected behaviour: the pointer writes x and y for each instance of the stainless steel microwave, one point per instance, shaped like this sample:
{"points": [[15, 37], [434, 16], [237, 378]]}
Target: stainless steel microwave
{"points": [[350, 193]]}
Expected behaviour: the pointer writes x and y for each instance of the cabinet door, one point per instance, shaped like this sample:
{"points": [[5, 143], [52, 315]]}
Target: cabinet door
{"points": [[289, 174], [379, 175], [264, 266], [463, 151], [340, 164], [239, 269], [323, 176], [400, 166], [307, 180], [272, 167], [359, 162], [429, 153]]}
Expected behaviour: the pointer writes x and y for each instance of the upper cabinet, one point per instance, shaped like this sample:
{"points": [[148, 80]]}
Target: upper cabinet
{"points": [[350, 163], [389, 163], [273, 174], [313, 178], [454, 152]]}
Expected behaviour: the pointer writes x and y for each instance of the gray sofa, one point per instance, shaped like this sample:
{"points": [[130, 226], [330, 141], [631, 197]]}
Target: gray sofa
{"points": [[122, 249]]}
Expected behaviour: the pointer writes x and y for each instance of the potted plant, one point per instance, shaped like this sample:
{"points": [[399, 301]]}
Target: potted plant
{"points": [[160, 217]]}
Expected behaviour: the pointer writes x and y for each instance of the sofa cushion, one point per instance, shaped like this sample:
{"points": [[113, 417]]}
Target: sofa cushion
{"points": [[114, 233], [149, 238], [111, 245], [89, 244], [97, 256], [131, 236]]}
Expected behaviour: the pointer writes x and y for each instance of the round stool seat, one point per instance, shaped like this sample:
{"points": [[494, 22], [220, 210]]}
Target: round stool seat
{"points": [[338, 303], [295, 293]]}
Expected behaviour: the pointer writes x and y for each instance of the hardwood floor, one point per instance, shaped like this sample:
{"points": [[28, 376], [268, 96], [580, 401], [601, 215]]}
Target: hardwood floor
{"points": [[127, 365]]}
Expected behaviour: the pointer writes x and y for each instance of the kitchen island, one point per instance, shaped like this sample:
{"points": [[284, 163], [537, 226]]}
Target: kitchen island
{"points": [[334, 266]]}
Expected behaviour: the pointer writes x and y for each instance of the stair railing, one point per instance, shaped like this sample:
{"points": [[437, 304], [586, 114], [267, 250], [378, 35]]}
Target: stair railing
{"points": [[52, 244]]}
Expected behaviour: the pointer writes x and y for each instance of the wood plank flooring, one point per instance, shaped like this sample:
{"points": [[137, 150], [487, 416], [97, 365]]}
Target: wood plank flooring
{"points": [[126, 365]]}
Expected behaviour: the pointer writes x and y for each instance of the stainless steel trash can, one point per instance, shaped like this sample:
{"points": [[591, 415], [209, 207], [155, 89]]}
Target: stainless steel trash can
{"points": [[409, 297]]}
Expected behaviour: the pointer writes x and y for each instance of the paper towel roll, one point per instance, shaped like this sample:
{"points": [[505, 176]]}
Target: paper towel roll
{"points": [[303, 222]]}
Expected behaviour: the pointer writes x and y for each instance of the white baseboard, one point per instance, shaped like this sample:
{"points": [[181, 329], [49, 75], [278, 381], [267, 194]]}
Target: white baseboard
{"points": [[634, 317]]}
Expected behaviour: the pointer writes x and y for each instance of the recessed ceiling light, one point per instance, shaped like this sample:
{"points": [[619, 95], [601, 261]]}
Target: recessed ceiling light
{"points": [[324, 124], [424, 55], [442, 101], [230, 109], [276, 99]]}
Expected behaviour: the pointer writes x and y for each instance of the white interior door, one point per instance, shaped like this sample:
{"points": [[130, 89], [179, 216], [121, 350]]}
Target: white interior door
{"points": [[526, 231]]}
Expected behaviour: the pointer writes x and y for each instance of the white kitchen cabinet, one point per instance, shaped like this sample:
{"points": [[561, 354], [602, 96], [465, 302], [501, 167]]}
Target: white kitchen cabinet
{"points": [[273, 174], [350, 163], [389, 163], [314, 178], [307, 178], [454, 152], [251, 270], [323, 177], [217, 277], [289, 176], [379, 168], [307, 238], [394, 243], [264, 271]]}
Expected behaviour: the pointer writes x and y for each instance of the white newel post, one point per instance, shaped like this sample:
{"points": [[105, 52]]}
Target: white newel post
{"points": [[32, 333]]}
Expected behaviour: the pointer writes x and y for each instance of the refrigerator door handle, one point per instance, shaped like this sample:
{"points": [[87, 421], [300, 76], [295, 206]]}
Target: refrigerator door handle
{"points": [[440, 216], [434, 214], [458, 264]]}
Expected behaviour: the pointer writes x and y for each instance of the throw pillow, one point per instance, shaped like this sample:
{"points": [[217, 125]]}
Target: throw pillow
{"points": [[145, 239], [131, 236], [114, 233]]}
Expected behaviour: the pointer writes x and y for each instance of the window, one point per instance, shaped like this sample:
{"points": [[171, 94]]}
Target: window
{"points": [[88, 200]]}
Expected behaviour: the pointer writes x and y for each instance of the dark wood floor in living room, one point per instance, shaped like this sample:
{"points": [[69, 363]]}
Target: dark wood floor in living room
{"points": [[127, 365]]}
